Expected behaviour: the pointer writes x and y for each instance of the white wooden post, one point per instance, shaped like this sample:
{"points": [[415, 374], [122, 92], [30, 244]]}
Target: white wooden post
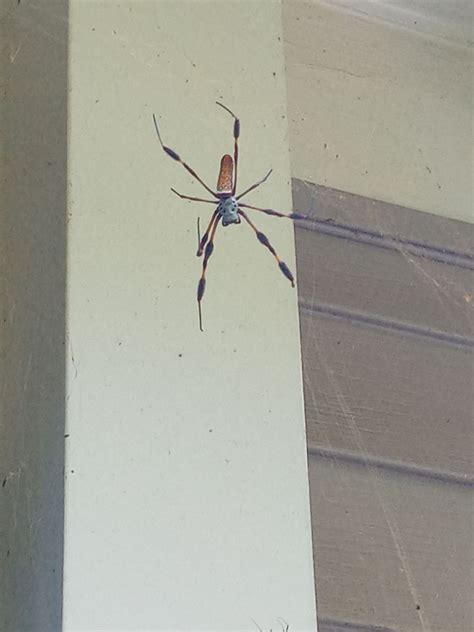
{"points": [[186, 479]]}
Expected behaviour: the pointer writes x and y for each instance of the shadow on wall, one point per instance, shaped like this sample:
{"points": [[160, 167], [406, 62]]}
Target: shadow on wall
{"points": [[33, 216]]}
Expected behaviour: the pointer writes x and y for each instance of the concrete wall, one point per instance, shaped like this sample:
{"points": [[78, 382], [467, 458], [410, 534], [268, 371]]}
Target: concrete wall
{"points": [[33, 154]]}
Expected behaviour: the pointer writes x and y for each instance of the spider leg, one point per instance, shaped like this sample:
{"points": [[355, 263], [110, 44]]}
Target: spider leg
{"points": [[236, 143], [257, 625], [263, 239], [205, 237], [194, 199], [202, 281], [254, 186], [172, 154], [270, 211]]}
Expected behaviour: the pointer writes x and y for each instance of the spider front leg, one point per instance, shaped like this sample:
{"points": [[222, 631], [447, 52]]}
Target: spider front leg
{"points": [[205, 237], [270, 211], [208, 252], [263, 239]]}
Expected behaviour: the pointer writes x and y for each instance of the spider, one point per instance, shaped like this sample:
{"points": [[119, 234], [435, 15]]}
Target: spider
{"points": [[229, 208]]}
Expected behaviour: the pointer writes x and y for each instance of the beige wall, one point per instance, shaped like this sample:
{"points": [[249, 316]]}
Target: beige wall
{"points": [[379, 108]]}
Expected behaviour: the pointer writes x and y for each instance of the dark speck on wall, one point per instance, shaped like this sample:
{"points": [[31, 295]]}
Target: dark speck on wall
{"points": [[418, 607], [180, 355]]}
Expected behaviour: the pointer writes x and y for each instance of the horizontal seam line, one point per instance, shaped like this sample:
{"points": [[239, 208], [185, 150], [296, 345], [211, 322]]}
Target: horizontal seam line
{"points": [[384, 323], [394, 466], [341, 625], [388, 242]]}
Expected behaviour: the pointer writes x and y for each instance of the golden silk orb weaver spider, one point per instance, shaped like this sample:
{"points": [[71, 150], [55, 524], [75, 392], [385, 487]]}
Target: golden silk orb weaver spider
{"points": [[229, 208]]}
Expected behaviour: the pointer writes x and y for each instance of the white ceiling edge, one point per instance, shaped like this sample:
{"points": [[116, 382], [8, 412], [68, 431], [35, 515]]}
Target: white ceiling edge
{"points": [[451, 20]]}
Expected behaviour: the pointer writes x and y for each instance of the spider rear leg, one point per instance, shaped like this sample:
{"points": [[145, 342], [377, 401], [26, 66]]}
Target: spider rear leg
{"points": [[172, 154], [263, 239], [254, 186], [207, 253], [189, 197], [236, 143]]}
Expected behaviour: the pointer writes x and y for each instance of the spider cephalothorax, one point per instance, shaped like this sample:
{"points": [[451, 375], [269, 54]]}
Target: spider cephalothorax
{"points": [[229, 209]]}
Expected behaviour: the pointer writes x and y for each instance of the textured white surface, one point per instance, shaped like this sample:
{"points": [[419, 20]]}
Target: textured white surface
{"points": [[392, 101], [450, 20], [186, 478]]}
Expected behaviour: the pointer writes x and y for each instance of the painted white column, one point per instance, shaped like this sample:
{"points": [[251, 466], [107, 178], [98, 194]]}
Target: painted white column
{"points": [[186, 480]]}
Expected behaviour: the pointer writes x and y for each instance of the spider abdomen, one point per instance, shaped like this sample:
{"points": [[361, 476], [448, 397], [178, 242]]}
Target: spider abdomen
{"points": [[229, 211]]}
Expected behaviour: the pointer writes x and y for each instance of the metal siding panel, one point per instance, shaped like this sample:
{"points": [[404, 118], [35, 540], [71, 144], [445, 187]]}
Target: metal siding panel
{"points": [[386, 299], [392, 552], [384, 394], [395, 286], [372, 257]]}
